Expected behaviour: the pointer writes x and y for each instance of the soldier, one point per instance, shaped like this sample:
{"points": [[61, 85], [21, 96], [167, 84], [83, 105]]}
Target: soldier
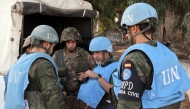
{"points": [[149, 74], [32, 82], [98, 83], [72, 61]]}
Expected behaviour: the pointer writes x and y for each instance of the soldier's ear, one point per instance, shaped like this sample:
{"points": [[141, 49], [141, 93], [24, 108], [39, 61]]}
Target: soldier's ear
{"points": [[46, 44], [108, 53]]}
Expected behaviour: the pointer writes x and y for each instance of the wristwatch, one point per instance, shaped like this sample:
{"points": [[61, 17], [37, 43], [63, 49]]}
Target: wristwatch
{"points": [[99, 76]]}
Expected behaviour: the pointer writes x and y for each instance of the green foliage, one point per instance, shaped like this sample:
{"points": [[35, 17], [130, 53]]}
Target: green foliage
{"points": [[180, 8], [106, 16]]}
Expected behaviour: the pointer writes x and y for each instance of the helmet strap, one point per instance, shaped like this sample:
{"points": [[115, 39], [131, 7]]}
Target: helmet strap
{"points": [[104, 58], [146, 36], [132, 37], [47, 49]]}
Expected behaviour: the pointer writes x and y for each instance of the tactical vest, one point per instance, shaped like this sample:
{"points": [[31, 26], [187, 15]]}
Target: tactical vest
{"points": [[168, 76], [16, 80]]}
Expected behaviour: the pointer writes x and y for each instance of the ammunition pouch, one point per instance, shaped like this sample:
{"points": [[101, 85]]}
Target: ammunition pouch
{"points": [[60, 62], [82, 64], [62, 71]]}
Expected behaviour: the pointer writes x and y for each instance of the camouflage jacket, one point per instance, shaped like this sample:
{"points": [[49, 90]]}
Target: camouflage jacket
{"points": [[144, 70], [69, 66], [43, 90]]}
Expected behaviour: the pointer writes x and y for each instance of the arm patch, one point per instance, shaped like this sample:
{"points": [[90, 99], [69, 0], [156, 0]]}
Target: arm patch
{"points": [[126, 70], [132, 87]]}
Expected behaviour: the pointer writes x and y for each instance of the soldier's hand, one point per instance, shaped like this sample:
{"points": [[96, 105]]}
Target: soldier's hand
{"points": [[90, 74], [64, 93], [81, 76]]}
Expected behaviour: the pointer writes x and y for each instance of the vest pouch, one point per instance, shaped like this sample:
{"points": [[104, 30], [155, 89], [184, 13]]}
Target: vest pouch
{"points": [[72, 78], [82, 65], [62, 71], [59, 62], [35, 99]]}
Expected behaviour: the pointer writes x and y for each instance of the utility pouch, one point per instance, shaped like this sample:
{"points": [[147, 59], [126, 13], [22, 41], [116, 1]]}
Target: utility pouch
{"points": [[62, 71], [82, 65]]}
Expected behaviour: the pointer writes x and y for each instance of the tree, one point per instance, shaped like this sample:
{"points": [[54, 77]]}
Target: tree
{"points": [[106, 10], [180, 8]]}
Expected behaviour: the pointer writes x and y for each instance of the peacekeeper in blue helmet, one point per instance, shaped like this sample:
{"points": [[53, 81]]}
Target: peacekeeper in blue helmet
{"points": [[32, 82], [95, 91], [149, 75]]}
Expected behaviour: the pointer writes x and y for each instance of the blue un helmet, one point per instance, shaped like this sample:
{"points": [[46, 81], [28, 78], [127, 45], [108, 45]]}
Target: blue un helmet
{"points": [[100, 43], [139, 13], [44, 33]]}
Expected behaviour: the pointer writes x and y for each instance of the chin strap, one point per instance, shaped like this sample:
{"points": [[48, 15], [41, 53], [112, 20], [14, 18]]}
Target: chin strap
{"points": [[47, 49], [147, 37], [37, 42], [104, 59], [132, 37]]}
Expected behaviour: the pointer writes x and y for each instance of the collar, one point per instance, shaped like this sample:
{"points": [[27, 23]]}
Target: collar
{"points": [[111, 60], [152, 43], [77, 53]]}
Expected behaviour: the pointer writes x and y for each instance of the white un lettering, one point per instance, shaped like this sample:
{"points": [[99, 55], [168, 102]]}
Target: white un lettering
{"points": [[128, 18], [51, 36], [14, 76], [169, 74]]}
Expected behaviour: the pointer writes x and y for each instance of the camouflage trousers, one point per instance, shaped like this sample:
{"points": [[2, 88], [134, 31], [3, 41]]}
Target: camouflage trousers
{"points": [[72, 103]]}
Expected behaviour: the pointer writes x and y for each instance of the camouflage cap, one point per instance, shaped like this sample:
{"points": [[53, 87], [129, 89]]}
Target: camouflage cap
{"points": [[70, 33], [26, 42]]}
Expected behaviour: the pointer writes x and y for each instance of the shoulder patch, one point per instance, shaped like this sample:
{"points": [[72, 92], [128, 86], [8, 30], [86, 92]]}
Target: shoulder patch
{"points": [[126, 74]]}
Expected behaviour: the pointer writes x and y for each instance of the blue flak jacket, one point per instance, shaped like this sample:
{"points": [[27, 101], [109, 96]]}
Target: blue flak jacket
{"points": [[16, 80], [91, 92], [170, 80]]}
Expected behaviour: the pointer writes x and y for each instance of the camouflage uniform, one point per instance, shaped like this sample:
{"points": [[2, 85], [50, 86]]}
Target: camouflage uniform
{"points": [[69, 78], [70, 65], [43, 90], [144, 70]]}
